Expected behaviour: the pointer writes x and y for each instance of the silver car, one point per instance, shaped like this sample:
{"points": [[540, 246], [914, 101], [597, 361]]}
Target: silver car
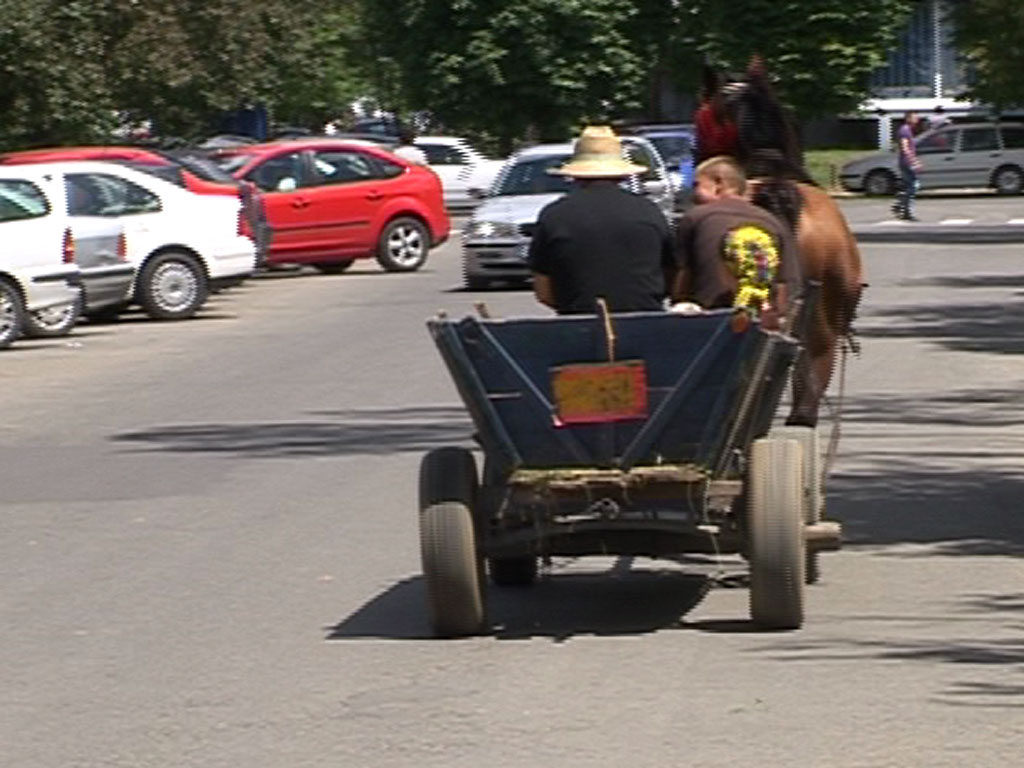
{"points": [[496, 241], [953, 155]]}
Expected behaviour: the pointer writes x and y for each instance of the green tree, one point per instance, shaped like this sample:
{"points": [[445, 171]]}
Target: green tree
{"points": [[508, 67], [990, 36], [52, 84], [821, 51]]}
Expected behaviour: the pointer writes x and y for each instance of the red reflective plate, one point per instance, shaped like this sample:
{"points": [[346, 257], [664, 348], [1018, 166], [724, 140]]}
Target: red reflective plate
{"points": [[595, 393]]}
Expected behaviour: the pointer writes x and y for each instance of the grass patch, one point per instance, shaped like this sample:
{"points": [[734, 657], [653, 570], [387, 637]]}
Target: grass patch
{"points": [[824, 164]]}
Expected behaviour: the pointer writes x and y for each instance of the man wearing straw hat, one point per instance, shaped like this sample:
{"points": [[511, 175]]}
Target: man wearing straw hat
{"points": [[601, 241]]}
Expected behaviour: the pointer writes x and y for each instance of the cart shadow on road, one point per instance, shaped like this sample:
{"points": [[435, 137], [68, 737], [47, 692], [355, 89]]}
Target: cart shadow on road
{"points": [[558, 606], [345, 433]]}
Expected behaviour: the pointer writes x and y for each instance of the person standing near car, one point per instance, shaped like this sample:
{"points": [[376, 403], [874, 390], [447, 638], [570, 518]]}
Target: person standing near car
{"points": [[601, 241], [909, 165]]}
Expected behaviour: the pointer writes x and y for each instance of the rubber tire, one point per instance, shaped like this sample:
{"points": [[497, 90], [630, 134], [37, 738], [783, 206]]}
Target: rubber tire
{"points": [[448, 474], [879, 183], [109, 314], [35, 328], [1014, 173], [512, 571], [148, 301], [413, 228], [813, 495], [450, 560], [777, 548], [333, 267], [11, 296], [476, 283]]}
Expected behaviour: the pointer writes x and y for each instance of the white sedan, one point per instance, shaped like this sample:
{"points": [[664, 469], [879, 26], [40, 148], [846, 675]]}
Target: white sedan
{"points": [[460, 167], [183, 245]]}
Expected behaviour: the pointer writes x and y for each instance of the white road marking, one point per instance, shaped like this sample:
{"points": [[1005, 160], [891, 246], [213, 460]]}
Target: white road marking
{"points": [[956, 222], [1015, 221]]}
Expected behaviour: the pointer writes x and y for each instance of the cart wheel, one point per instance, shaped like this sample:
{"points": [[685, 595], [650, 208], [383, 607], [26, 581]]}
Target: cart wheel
{"points": [[513, 571], [451, 567], [777, 547], [813, 497], [448, 474]]}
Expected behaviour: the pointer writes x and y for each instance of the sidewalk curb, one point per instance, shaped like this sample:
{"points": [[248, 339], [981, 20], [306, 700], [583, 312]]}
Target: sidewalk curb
{"points": [[979, 234]]}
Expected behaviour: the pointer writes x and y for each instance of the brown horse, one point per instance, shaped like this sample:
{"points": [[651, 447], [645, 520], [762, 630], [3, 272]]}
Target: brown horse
{"points": [[770, 154]]}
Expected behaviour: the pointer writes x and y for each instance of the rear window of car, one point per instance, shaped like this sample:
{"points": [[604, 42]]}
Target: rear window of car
{"points": [[21, 199], [979, 140], [1013, 137], [99, 194]]}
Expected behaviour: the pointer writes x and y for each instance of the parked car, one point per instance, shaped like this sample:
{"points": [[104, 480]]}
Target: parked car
{"points": [[37, 271], [183, 245], [496, 240], [464, 172], [331, 201], [675, 144], [953, 155], [189, 169]]}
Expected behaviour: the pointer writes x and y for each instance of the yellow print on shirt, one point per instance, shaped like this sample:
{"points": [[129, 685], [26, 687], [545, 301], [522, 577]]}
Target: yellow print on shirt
{"points": [[753, 258]]}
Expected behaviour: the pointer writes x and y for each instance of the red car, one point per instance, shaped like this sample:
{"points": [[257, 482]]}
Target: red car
{"points": [[189, 170], [331, 201]]}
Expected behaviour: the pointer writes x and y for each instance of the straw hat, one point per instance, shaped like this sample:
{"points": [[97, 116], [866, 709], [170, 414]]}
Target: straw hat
{"points": [[597, 155]]}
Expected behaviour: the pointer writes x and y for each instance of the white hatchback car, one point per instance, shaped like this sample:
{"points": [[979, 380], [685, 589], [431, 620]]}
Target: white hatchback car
{"points": [[37, 271], [183, 245], [461, 168]]}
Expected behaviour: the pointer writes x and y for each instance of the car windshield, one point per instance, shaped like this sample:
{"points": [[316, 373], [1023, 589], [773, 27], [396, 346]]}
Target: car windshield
{"points": [[530, 176], [673, 149], [231, 162]]}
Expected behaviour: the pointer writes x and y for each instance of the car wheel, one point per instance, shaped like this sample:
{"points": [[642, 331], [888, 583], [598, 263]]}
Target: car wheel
{"points": [[880, 183], [172, 286], [12, 313], [1008, 180], [53, 321], [333, 267], [403, 245]]}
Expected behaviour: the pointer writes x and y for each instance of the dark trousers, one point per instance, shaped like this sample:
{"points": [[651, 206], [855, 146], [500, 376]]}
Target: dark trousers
{"points": [[904, 205]]}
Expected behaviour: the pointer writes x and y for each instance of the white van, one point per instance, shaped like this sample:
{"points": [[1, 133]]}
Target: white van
{"points": [[37, 269]]}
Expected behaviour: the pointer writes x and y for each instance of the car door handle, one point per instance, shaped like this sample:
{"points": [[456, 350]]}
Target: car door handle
{"points": [[300, 202], [374, 195]]}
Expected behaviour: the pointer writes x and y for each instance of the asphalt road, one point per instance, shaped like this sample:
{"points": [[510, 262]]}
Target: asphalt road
{"points": [[209, 553]]}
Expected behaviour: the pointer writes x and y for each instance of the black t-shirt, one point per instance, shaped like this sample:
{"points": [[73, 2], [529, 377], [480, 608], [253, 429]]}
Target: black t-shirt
{"points": [[700, 239], [602, 241]]}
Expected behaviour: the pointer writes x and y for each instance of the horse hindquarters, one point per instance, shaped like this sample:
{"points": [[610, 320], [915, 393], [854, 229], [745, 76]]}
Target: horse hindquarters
{"points": [[828, 254]]}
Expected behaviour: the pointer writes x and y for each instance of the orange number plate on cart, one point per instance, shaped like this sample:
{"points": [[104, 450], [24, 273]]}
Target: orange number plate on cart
{"points": [[594, 393]]}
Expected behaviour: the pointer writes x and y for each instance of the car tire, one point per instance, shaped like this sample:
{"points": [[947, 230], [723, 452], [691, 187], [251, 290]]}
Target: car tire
{"points": [[880, 183], [332, 267], [403, 245], [172, 286], [53, 322], [108, 314], [1008, 180], [12, 313]]}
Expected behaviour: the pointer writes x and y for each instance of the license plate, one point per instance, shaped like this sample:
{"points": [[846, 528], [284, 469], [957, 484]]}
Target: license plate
{"points": [[595, 393]]}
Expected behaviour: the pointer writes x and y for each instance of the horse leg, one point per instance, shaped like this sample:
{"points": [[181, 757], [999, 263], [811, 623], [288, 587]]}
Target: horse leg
{"points": [[811, 376]]}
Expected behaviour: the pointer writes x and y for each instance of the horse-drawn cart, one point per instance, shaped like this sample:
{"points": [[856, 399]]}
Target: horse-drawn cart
{"points": [[637, 434]]}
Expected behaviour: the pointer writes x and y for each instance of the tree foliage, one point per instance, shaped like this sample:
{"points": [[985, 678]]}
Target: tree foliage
{"points": [[71, 69], [990, 36], [821, 51]]}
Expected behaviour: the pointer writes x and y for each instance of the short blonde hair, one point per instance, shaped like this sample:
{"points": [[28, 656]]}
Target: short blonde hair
{"points": [[725, 171]]}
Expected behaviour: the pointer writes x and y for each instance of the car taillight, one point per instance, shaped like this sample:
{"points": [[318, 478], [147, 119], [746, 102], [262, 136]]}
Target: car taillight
{"points": [[69, 247], [122, 247], [244, 230]]}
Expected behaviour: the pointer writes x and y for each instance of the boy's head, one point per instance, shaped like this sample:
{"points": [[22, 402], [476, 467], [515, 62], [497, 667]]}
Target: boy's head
{"points": [[719, 177]]}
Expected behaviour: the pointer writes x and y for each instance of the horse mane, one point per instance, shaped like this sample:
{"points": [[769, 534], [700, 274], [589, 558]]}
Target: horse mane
{"points": [[768, 146]]}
